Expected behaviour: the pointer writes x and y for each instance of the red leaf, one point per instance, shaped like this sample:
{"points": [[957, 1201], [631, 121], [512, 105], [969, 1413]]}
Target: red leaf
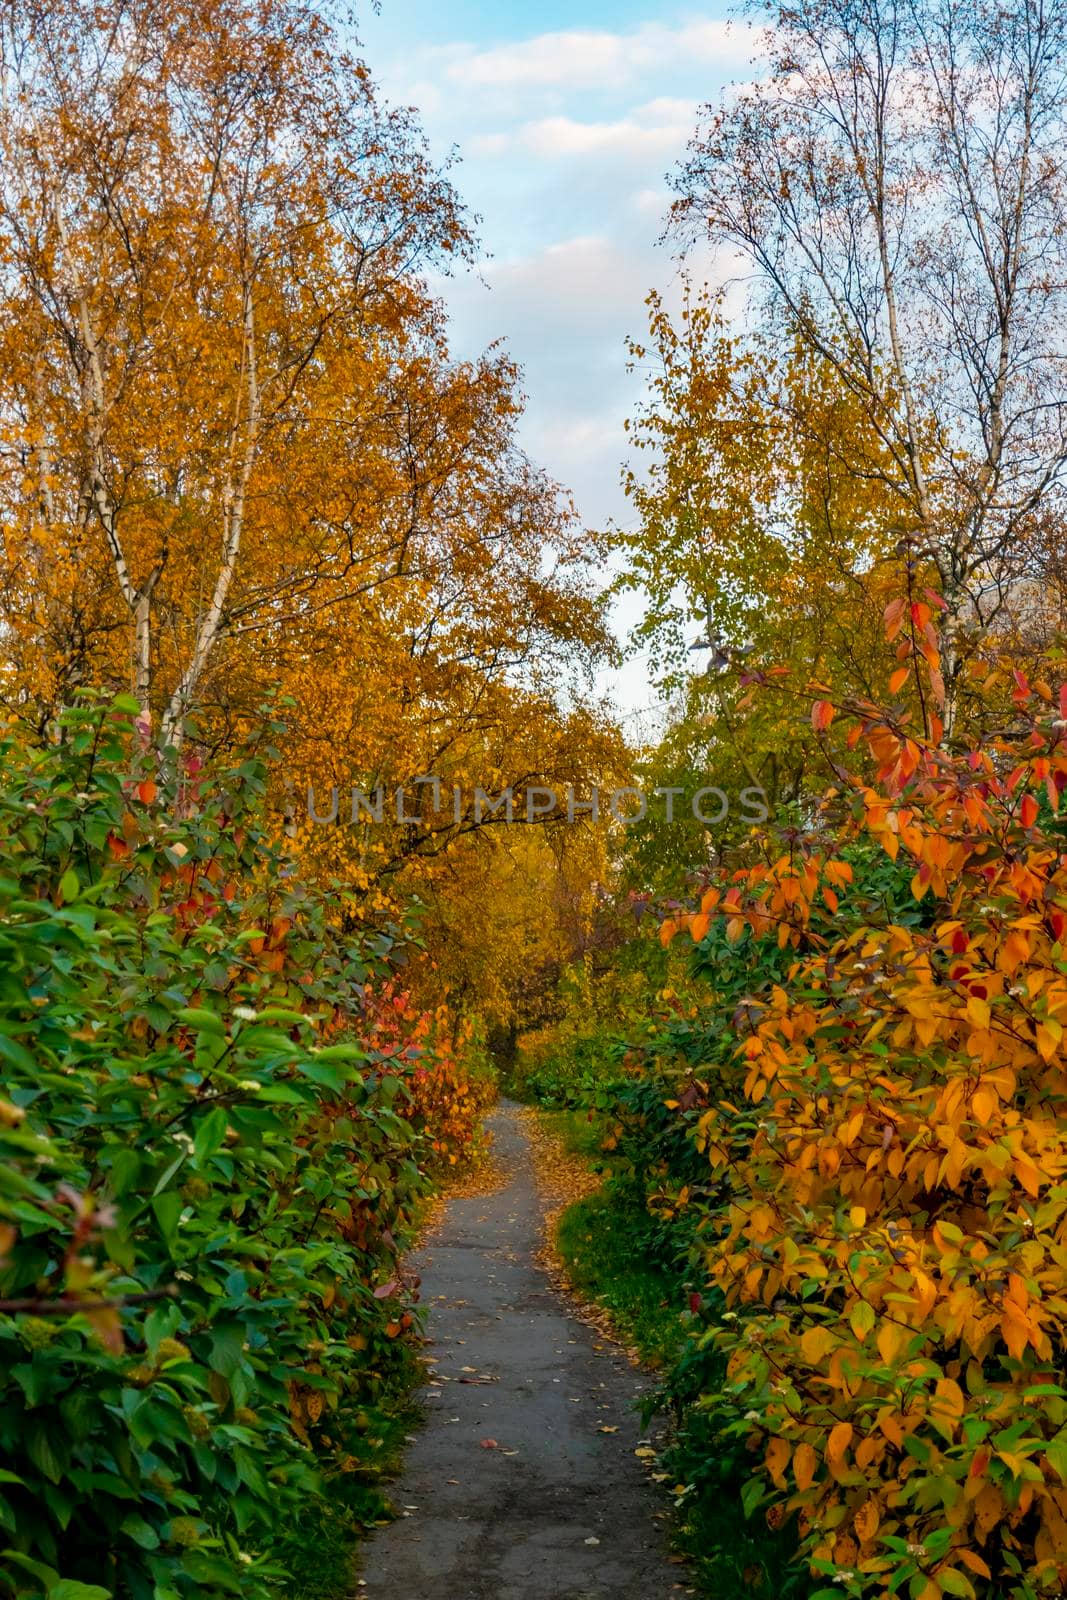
{"points": [[822, 714]]}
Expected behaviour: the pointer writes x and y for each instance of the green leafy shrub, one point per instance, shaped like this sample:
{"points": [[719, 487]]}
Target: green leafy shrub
{"points": [[204, 1182]]}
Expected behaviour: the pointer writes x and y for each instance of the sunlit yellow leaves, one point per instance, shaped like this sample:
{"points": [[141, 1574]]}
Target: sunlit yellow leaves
{"points": [[891, 1340], [1048, 1036], [978, 1012], [947, 1407], [815, 1344], [984, 1104], [1027, 1174], [866, 1520], [805, 1465], [837, 1443], [1015, 950], [777, 1459]]}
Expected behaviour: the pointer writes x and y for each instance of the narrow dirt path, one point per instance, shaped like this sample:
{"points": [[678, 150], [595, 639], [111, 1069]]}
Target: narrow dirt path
{"points": [[523, 1485]]}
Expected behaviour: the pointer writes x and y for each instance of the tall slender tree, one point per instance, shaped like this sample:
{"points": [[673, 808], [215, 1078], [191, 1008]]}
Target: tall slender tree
{"points": [[896, 185]]}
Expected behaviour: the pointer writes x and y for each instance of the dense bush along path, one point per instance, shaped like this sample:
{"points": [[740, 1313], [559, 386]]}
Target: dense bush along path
{"points": [[524, 1484]]}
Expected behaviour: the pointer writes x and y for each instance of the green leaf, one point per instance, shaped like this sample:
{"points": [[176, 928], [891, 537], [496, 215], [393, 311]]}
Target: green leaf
{"points": [[227, 1348], [1056, 1455], [141, 1532], [168, 1207], [203, 1021], [862, 1319], [44, 1574], [321, 1072], [44, 1454], [69, 885], [70, 1589], [281, 1094], [16, 1054], [952, 1581], [125, 1165], [210, 1134], [281, 1014]]}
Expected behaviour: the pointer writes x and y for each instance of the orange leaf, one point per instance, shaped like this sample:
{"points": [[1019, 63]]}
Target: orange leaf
{"points": [[838, 1442], [866, 1520], [975, 1562], [822, 714], [894, 616], [777, 1459], [805, 1461]]}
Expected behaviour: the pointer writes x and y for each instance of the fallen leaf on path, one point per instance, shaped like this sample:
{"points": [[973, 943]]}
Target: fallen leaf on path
{"points": [[593, 1540], [646, 1452], [607, 1430], [488, 1444]]}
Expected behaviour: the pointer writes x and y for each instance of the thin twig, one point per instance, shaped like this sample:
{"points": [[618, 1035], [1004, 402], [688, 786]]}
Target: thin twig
{"points": [[39, 1305]]}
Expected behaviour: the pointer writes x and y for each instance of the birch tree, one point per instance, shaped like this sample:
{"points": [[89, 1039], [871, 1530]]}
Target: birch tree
{"points": [[893, 191], [210, 234]]}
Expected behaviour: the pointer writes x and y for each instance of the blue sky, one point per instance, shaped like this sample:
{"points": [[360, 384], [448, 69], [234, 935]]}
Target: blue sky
{"points": [[567, 119]]}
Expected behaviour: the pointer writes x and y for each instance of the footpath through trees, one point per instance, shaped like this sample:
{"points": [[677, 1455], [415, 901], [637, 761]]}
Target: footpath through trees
{"points": [[524, 1484]]}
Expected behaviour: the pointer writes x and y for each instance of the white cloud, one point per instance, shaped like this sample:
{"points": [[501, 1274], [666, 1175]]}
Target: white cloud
{"points": [[585, 58], [652, 204], [659, 129], [567, 139], [578, 286]]}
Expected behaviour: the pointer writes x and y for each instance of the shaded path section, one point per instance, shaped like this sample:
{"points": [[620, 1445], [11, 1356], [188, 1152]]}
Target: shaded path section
{"points": [[513, 1490]]}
